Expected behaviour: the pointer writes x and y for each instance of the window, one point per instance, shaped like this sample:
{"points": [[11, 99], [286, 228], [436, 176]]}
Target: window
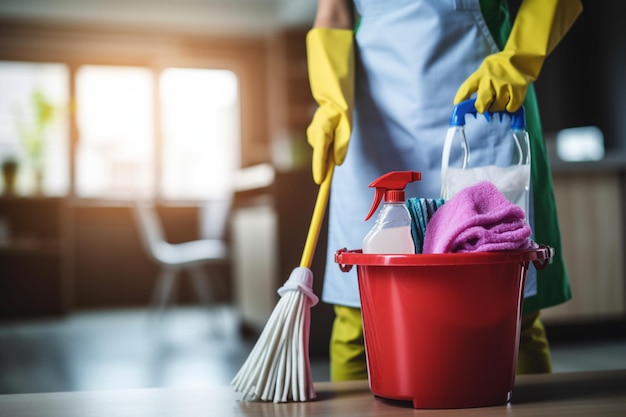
{"points": [[115, 122], [201, 145], [141, 133], [33, 125]]}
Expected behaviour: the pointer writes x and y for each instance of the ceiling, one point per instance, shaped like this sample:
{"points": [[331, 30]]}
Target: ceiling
{"points": [[227, 17]]}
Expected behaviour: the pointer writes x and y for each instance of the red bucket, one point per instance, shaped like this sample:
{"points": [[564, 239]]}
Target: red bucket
{"points": [[443, 330]]}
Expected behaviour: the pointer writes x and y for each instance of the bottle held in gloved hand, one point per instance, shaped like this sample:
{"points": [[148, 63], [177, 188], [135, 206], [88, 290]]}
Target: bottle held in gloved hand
{"points": [[508, 169], [391, 233]]}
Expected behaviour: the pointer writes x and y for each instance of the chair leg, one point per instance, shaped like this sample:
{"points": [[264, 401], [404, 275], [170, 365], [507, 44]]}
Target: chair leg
{"points": [[164, 290], [200, 279], [218, 281], [200, 282]]}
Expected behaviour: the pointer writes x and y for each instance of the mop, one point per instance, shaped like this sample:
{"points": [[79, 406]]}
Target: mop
{"points": [[278, 367]]}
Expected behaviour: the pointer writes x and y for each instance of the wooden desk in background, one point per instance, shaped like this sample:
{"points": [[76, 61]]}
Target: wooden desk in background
{"points": [[592, 394]]}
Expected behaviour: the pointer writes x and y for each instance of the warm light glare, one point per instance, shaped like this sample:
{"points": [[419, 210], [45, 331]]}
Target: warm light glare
{"points": [[201, 132], [115, 120], [121, 145]]}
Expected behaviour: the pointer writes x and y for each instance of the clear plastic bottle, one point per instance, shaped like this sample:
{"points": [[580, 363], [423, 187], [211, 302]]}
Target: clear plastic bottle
{"points": [[511, 178], [391, 234]]}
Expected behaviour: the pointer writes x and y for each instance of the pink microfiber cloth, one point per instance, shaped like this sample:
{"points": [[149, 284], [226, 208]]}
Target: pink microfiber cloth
{"points": [[477, 219]]}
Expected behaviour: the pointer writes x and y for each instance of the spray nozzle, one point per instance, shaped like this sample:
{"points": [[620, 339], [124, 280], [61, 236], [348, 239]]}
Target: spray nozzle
{"points": [[391, 185]]}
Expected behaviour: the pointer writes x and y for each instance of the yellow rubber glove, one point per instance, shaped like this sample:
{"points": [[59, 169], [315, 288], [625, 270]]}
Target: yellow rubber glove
{"points": [[330, 54], [502, 79]]}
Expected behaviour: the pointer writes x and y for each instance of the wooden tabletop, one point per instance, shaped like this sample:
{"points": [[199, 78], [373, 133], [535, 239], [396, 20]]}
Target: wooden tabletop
{"points": [[601, 393]]}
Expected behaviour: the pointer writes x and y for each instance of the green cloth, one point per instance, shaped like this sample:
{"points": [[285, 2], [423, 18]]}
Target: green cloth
{"points": [[553, 282]]}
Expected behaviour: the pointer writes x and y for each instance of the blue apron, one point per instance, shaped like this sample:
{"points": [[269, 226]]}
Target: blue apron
{"points": [[411, 57]]}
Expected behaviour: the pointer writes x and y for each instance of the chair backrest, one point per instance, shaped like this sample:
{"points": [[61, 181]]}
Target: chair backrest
{"points": [[150, 228]]}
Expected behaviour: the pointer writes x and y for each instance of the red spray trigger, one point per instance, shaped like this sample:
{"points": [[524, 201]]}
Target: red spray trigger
{"points": [[391, 185]]}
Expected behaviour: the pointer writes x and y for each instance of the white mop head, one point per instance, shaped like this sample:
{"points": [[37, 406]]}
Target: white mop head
{"points": [[278, 367]]}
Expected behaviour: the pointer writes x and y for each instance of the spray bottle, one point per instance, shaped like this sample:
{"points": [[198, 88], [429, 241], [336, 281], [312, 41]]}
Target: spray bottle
{"points": [[391, 233]]}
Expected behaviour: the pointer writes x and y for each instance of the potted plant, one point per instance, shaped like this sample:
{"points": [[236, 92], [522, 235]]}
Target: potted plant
{"points": [[9, 175], [33, 133]]}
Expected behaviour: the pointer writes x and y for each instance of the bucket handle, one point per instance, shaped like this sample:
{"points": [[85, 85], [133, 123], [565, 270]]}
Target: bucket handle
{"points": [[342, 267], [542, 264]]}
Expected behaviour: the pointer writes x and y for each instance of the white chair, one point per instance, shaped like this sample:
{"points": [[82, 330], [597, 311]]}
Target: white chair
{"points": [[196, 257]]}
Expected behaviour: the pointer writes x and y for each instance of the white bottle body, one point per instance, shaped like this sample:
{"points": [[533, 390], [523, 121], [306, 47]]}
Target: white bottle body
{"points": [[391, 233], [510, 175]]}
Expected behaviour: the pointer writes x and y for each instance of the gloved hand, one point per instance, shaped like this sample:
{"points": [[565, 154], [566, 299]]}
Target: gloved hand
{"points": [[331, 75], [502, 79]]}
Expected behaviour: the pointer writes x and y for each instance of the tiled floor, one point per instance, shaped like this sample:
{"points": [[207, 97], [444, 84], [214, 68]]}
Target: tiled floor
{"points": [[118, 349]]}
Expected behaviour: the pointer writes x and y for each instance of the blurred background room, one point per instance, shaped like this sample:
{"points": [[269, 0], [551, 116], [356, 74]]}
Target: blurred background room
{"points": [[132, 131]]}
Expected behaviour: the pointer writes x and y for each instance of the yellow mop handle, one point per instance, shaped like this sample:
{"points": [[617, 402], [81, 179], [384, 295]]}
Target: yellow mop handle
{"points": [[316, 220]]}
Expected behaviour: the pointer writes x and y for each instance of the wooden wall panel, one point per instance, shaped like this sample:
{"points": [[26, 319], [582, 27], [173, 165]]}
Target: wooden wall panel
{"points": [[591, 220]]}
